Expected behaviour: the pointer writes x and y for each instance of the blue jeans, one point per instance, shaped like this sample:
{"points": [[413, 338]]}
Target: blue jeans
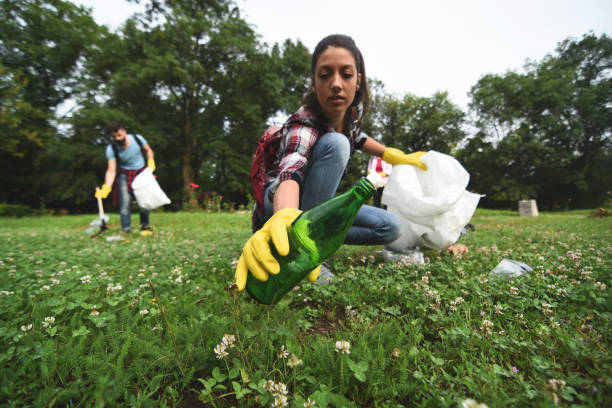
{"points": [[328, 159], [125, 202]]}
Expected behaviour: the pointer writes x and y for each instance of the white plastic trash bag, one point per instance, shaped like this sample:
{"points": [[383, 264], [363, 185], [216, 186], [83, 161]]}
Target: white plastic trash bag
{"points": [[433, 205], [147, 191]]}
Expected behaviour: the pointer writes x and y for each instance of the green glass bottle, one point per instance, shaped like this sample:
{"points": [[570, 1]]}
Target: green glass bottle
{"points": [[313, 236]]}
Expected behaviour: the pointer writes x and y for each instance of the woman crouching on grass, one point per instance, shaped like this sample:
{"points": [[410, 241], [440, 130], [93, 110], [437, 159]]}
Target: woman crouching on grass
{"points": [[315, 148]]}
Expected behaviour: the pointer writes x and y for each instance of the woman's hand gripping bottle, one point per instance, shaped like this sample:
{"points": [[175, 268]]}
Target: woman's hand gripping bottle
{"points": [[315, 235]]}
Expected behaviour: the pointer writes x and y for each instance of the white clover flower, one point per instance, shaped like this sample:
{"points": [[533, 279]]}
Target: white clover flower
{"points": [[343, 347], [45, 287], [499, 309], [486, 326], [308, 403], [49, 320], [555, 385], [546, 308], [483, 279], [269, 385], [283, 353], [144, 312], [395, 353], [279, 389], [470, 403], [431, 293], [94, 311], [294, 361], [26, 328], [85, 279], [54, 281], [280, 401], [220, 351], [229, 340], [514, 290], [600, 286], [113, 288]]}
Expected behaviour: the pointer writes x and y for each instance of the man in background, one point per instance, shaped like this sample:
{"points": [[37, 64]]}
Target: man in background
{"points": [[130, 154]]}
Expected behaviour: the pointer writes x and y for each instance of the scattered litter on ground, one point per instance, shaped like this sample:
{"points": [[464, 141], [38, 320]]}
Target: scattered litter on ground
{"points": [[511, 268]]}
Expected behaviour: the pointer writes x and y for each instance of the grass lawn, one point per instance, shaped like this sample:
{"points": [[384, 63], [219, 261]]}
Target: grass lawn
{"points": [[150, 321]]}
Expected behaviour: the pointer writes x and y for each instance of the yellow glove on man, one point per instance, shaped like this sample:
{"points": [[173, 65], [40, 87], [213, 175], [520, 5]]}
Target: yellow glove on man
{"points": [[151, 164], [396, 156], [256, 255], [103, 192]]}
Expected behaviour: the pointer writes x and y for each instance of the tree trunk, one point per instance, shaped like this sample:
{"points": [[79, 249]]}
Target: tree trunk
{"points": [[187, 171]]}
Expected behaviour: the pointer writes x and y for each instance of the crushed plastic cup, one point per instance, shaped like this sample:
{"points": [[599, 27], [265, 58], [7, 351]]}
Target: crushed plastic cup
{"points": [[114, 238], [408, 256], [510, 268]]}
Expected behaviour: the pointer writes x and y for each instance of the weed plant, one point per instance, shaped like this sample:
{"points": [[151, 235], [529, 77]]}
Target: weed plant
{"points": [[150, 321]]}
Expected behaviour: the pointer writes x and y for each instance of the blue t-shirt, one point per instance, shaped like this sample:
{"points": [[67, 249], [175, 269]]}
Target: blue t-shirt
{"points": [[130, 158]]}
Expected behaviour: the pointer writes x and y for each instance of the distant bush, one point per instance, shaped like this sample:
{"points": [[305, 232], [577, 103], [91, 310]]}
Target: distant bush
{"points": [[14, 210], [606, 209]]}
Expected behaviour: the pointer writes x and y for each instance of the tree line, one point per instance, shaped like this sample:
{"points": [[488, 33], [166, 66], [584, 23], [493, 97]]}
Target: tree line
{"points": [[195, 79]]}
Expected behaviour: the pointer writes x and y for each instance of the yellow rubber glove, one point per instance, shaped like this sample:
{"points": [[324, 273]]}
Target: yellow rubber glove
{"points": [[151, 164], [314, 274], [396, 156], [256, 255], [103, 192]]}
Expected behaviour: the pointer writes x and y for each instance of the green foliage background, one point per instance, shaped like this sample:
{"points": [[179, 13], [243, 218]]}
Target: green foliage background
{"points": [[197, 81]]}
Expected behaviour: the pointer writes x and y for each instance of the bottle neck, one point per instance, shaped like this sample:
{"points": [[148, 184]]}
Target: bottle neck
{"points": [[364, 188]]}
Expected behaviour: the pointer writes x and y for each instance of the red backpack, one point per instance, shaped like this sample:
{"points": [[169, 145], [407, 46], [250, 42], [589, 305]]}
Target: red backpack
{"points": [[262, 161]]}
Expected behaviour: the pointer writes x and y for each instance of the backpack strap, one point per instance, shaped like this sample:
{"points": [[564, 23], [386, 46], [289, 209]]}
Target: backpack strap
{"points": [[144, 156], [262, 159], [116, 149]]}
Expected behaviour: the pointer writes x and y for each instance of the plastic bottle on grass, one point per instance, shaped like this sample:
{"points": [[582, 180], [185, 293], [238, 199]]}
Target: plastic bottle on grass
{"points": [[314, 236]]}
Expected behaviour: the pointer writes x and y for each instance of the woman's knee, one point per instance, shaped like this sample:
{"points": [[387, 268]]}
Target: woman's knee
{"points": [[390, 227], [334, 145]]}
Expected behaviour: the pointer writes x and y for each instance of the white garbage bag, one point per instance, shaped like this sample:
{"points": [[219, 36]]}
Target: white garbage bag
{"points": [[147, 191], [433, 205]]}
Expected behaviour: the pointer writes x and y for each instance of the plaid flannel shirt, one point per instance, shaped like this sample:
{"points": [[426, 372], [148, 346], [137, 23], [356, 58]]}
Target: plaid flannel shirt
{"points": [[131, 175], [300, 133]]}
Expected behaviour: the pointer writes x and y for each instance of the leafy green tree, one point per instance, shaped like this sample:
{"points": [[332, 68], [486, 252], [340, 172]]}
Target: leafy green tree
{"points": [[42, 44], [415, 123], [410, 123], [560, 109], [194, 79]]}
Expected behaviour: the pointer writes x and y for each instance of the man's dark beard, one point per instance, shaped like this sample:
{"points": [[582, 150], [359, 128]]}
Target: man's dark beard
{"points": [[122, 143]]}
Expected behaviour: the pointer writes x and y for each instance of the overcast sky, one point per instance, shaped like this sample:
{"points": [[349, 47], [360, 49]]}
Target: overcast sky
{"points": [[419, 47]]}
